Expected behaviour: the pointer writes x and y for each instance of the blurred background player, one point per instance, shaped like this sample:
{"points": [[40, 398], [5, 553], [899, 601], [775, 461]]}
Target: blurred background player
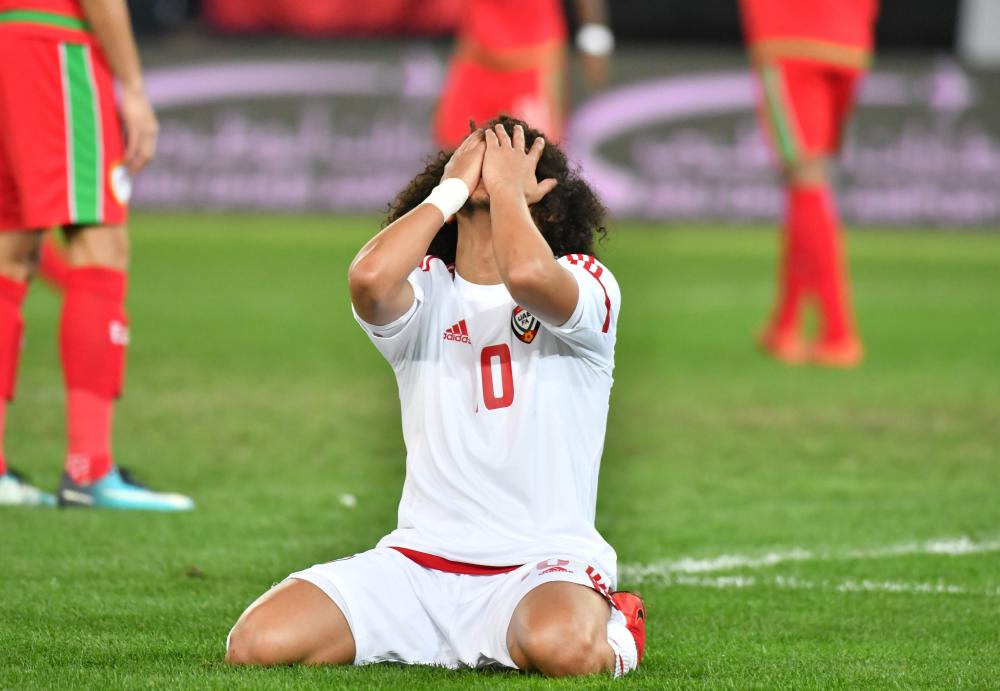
{"points": [[511, 58], [62, 164], [809, 56]]}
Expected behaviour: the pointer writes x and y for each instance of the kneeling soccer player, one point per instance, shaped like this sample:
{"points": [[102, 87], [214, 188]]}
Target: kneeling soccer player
{"points": [[500, 327]]}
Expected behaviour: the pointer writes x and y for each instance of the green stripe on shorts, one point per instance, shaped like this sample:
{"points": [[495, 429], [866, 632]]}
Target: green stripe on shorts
{"points": [[44, 18], [84, 150], [778, 114]]}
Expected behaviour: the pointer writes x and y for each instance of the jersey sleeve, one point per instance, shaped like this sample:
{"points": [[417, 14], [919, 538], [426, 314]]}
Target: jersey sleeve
{"points": [[397, 341], [592, 327]]}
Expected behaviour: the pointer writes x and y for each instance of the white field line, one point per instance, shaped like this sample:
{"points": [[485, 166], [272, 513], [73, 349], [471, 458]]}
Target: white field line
{"points": [[689, 571], [728, 562], [848, 586]]}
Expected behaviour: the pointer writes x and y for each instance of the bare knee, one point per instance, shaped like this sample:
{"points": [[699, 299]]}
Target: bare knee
{"points": [[19, 254], [293, 622], [807, 171], [106, 246], [565, 647], [252, 642]]}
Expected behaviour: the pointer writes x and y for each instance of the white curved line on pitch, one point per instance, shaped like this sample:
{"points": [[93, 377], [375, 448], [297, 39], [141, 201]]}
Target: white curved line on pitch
{"points": [[793, 583], [954, 546]]}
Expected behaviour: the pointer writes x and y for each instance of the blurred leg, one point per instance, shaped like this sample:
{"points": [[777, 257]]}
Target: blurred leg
{"points": [[829, 270], [789, 95], [806, 108], [838, 343], [93, 338], [18, 254]]}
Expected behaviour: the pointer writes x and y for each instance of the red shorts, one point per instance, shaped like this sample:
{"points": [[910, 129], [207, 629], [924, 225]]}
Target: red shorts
{"points": [[478, 93], [60, 140], [805, 106]]}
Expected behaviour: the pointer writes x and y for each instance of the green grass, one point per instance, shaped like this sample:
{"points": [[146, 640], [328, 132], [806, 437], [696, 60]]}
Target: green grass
{"points": [[251, 388]]}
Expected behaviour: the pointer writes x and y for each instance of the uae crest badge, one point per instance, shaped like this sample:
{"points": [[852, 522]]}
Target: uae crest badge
{"points": [[524, 325]]}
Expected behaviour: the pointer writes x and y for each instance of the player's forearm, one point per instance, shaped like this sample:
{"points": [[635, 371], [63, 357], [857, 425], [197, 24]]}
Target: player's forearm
{"points": [[525, 262], [377, 277], [109, 20], [591, 12], [389, 257], [594, 41]]}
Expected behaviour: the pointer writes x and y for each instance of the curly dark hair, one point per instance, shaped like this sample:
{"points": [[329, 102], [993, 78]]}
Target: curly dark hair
{"points": [[570, 217]]}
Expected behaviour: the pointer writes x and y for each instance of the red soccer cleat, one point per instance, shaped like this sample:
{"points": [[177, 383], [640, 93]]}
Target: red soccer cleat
{"points": [[844, 353], [783, 346], [632, 607]]}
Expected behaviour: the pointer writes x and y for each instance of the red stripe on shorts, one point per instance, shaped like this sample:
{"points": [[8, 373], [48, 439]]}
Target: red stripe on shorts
{"points": [[432, 561]]}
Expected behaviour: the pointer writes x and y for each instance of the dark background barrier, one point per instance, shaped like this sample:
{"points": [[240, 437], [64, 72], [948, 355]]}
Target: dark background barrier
{"points": [[902, 24]]}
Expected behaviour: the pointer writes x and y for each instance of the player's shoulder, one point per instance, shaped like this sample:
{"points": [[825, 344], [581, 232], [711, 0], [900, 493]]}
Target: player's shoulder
{"points": [[605, 282], [434, 270], [587, 261], [593, 266], [436, 266]]}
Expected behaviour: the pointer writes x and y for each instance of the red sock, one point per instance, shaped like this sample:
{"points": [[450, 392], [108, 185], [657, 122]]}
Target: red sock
{"points": [[52, 264], [11, 335], [825, 264], [794, 279], [89, 418], [93, 335], [3, 421]]}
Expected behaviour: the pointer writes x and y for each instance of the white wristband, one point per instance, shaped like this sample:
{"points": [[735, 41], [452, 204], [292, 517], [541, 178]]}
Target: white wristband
{"points": [[595, 39], [449, 196]]}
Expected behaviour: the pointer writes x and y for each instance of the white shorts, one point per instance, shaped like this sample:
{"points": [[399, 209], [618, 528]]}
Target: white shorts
{"points": [[400, 611]]}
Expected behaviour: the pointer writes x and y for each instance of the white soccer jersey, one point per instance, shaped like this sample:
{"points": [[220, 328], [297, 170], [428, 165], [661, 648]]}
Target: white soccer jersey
{"points": [[503, 418]]}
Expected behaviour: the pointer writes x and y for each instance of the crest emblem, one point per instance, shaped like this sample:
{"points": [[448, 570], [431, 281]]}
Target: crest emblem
{"points": [[121, 183], [524, 325]]}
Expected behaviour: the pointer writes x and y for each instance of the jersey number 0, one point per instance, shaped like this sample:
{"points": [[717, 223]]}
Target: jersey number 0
{"points": [[491, 397]]}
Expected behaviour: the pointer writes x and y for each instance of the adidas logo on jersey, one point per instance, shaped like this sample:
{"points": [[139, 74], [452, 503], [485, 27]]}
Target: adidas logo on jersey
{"points": [[458, 332]]}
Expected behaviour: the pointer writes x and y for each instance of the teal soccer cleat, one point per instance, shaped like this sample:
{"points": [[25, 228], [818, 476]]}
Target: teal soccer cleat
{"points": [[119, 490], [15, 490]]}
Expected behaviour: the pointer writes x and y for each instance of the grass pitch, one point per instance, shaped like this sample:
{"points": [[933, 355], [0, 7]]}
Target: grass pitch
{"points": [[792, 528]]}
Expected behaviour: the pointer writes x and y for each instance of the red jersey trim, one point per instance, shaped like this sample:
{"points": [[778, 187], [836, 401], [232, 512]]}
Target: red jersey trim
{"points": [[845, 23], [431, 561], [425, 264], [545, 56], [54, 25], [56, 19], [590, 264], [768, 50]]}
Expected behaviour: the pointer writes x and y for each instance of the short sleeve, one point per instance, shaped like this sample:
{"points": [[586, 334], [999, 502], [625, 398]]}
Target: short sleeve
{"points": [[592, 327], [396, 340]]}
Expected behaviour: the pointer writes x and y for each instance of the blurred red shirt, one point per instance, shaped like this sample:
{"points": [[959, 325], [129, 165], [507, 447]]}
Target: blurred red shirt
{"points": [[838, 31], [69, 8], [57, 19], [502, 25]]}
